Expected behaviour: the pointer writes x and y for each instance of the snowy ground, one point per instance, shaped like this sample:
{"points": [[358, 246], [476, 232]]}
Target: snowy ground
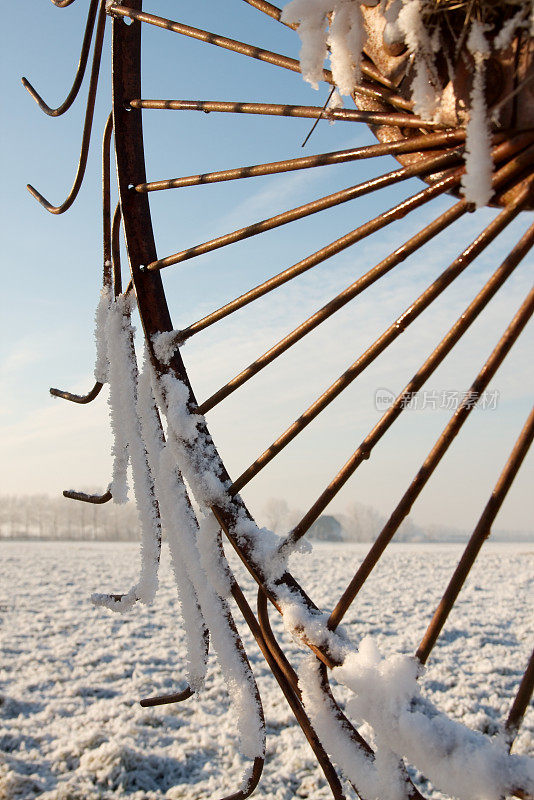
{"points": [[71, 674]]}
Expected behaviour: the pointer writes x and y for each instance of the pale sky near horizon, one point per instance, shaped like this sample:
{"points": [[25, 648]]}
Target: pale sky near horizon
{"points": [[52, 271]]}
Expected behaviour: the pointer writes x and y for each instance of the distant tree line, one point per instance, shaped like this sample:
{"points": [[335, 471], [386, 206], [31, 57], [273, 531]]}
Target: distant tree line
{"points": [[44, 517]]}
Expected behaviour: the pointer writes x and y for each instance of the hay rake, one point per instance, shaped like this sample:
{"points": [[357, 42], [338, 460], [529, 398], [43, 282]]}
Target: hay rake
{"points": [[179, 460]]}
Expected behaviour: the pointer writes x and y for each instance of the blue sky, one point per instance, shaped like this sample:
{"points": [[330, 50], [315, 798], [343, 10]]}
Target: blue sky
{"points": [[52, 272]]}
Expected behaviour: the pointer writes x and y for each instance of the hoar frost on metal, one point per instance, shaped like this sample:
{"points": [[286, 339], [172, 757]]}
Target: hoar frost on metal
{"points": [[160, 460], [386, 693], [335, 29]]}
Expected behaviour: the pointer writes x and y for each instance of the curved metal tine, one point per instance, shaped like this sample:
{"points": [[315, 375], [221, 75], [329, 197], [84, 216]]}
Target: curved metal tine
{"points": [[423, 167], [116, 251], [95, 499], [412, 145], [269, 56], [78, 398], [520, 704], [393, 118], [62, 3], [88, 124], [468, 403], [292, 677], [80, 72], [391, 333], [166, 699], [106, 201], [272, 643], [253, 778], [479, 536], [106, 235], [290, 692], [250, 783]]}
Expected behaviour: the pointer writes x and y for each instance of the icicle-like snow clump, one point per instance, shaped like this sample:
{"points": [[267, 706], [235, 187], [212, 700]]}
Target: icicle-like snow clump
{"points": [[476, 181], [128, 446], [101, 316], [334, 24]]}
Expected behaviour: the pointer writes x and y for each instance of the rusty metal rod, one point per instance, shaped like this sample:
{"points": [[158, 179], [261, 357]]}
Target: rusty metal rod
{"points": [[415, 144], [358, 366], [94, 499], [377, 223], [520, 704], [500, 152], [80, 72], [436, 357], [106, 236], [290, 692], [368, 228], [106, 201], [271, 11], [395, 119], [292, 677], [348, 294], [88, 124], [250, 782], [424, 166], [277, 59], [364, 450], [479, 536], [367, 67], [380, 344], [166, 699], [212, 38], [277, 652], [78, 398], [116, 251]]}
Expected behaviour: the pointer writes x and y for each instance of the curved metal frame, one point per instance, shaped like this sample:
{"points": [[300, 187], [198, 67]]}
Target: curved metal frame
{"points": [[514, 181]]}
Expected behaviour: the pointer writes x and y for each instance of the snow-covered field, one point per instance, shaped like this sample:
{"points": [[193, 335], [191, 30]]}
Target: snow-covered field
{"points": [[71, 674]]}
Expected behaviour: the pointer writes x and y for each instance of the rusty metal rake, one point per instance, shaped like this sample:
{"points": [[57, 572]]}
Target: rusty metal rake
{"points": [[432, 151]]}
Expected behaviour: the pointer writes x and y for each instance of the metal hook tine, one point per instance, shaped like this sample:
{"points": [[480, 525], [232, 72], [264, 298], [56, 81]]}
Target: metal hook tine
{"points": [[250, 783], [62, 3], [80, 72], [95, 499], [176, 697], [88, 124], [167, 699], [78, 398]]}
